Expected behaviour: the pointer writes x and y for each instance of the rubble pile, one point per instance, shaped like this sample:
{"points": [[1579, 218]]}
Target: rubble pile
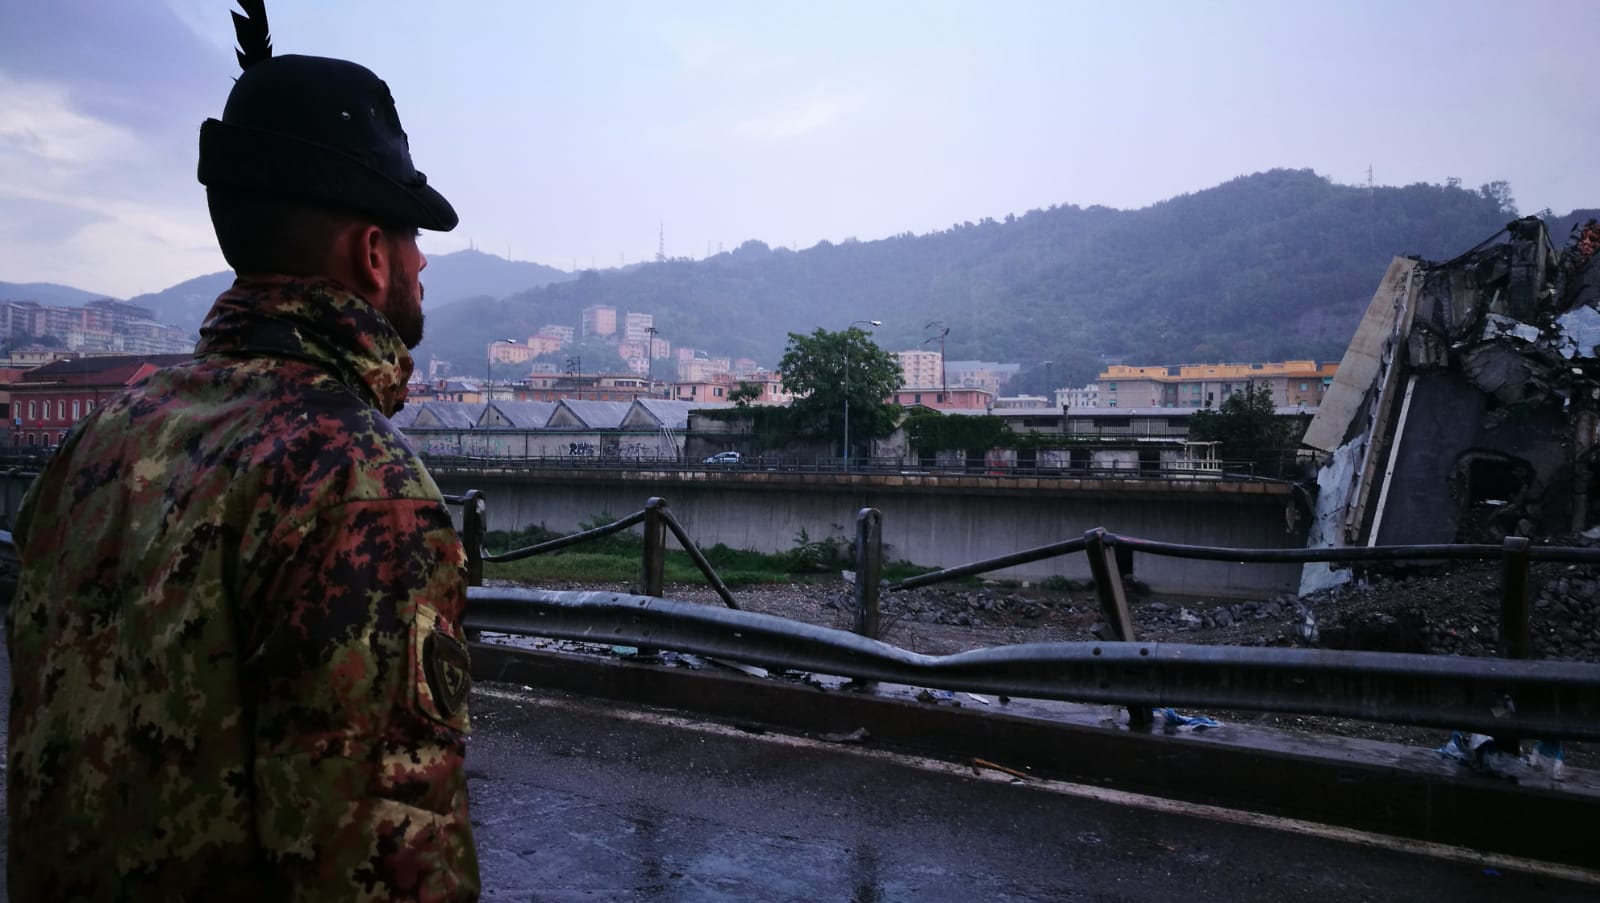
{"points": [[1467, 407], [1439, 611], [964, 608]]}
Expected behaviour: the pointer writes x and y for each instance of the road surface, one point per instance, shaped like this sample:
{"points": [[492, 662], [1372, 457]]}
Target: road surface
{"points": [[574, 800]]}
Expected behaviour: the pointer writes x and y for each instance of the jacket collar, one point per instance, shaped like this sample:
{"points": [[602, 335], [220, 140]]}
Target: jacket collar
{"points": [[316, 320]]}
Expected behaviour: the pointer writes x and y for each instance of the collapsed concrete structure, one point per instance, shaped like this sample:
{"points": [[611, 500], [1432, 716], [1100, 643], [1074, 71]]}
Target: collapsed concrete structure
{"points": [[1465, 408]]}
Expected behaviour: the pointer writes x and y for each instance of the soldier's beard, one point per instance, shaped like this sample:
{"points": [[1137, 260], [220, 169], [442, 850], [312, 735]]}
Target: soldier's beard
{"points": [[404, 304]]}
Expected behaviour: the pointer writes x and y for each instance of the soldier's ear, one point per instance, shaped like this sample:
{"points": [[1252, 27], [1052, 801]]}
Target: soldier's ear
{"points": [[361, 260]]}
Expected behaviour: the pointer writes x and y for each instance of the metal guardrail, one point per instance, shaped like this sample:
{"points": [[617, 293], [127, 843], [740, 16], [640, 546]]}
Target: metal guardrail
{"points": [[1543, 699], [1475, 694]]}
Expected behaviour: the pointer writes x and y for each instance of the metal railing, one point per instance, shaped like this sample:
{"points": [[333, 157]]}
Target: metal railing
{"points": [[1509, 698], [655, 516], [1537, 699]]}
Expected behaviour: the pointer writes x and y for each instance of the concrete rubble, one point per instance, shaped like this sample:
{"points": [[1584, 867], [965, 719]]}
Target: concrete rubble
{"points": [[1465, 409]]}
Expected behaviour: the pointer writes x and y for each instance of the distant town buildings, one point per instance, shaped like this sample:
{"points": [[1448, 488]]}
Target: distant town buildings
{"points": [[599, 320], [636, 327], [702, 369], [503, 352], [42, 403], [99, 326], [1018, 402], [989, 376], [1081, 397], [958, 400], [1292, 383], [921, 369]]}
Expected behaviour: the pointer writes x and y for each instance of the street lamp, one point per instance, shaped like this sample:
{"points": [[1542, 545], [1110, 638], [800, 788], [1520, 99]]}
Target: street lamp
{"points": [[650, 358], [847, 385], [1050, 395]]}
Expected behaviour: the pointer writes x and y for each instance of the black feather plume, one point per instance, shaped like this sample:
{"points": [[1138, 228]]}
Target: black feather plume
{"points": [[255, 42]]}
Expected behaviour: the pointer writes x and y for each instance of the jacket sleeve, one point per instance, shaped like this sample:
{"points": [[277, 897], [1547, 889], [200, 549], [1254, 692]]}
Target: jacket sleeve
{"points": [[356, 667]]}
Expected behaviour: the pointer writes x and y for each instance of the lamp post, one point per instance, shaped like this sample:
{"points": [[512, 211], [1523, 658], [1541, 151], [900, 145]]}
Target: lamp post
{"points": [[650, 358], [847, 385], [1050, 395]]}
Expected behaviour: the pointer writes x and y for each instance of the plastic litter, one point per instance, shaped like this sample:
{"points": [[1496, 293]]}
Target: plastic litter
{"points": [[1547, 756], [1479, 753], [1176, 722]]}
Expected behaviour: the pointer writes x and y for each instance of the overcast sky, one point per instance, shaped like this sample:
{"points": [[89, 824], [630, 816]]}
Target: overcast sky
{"points": [[567, 133]]}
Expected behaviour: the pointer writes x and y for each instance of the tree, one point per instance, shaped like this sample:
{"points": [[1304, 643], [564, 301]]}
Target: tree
{"points": [[1248, 428], [824, 368], [745, 393]]}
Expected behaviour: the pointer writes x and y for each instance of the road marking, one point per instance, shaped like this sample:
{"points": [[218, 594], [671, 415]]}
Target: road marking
{"points": [[1124, 798]]}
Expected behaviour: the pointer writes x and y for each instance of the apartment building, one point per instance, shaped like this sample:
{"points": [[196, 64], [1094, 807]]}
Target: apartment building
{"points": [[1291, 383], [1080, 397], [563, 334], [636, 327], [600, 320], [921, 368], [511, 352], [47, 401]]}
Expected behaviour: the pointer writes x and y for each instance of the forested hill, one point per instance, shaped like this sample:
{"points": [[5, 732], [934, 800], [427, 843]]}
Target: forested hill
{"points": [[1270, 266]]}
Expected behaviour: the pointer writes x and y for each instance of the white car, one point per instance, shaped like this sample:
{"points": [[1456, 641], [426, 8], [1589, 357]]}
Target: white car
{"points": [[727, 458]]}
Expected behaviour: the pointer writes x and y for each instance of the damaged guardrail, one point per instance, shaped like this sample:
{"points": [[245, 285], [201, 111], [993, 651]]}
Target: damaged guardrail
{"points": [[1110, 557], [1542, 699]]}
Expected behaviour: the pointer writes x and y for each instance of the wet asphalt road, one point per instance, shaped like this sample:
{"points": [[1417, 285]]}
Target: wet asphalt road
{"points": [[579, 801]]}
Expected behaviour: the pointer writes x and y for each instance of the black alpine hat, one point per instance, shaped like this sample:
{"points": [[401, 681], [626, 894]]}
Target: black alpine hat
{"points": [[318, 129]]}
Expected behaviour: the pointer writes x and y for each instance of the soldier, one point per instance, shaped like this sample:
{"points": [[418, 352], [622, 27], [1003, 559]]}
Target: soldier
{"points": [[238, 665]]}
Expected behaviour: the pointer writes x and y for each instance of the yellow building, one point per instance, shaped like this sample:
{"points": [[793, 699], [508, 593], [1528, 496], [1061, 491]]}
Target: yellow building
{"points": [[1292, 383]]}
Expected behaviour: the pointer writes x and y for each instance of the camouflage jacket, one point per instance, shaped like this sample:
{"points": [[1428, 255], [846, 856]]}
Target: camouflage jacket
{"points": [[238, 667]]}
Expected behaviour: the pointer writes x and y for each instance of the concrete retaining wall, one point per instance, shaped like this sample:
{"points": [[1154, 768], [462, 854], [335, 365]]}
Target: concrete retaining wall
{"points": [[930, 526]]}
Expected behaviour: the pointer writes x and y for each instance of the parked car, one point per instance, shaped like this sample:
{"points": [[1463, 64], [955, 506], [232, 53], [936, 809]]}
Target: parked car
{"points": [[725, 459]]}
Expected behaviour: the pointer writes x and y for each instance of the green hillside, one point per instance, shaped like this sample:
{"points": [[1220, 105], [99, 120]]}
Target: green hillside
{"points": [[1270, 266]]}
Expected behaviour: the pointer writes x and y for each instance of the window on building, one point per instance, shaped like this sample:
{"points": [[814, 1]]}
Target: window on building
{"points": [[61, 410], [1304, 386], [33, 414], [77, 412]]}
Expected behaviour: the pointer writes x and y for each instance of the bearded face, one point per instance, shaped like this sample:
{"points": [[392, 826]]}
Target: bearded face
{"points": [[403, 301]]}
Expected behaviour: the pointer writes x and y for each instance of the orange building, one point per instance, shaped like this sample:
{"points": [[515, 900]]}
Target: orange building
{"points": [[1292, 383]]}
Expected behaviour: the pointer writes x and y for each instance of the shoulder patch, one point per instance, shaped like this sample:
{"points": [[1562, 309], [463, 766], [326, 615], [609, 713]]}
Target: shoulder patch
{"points": [[445, 663]]}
